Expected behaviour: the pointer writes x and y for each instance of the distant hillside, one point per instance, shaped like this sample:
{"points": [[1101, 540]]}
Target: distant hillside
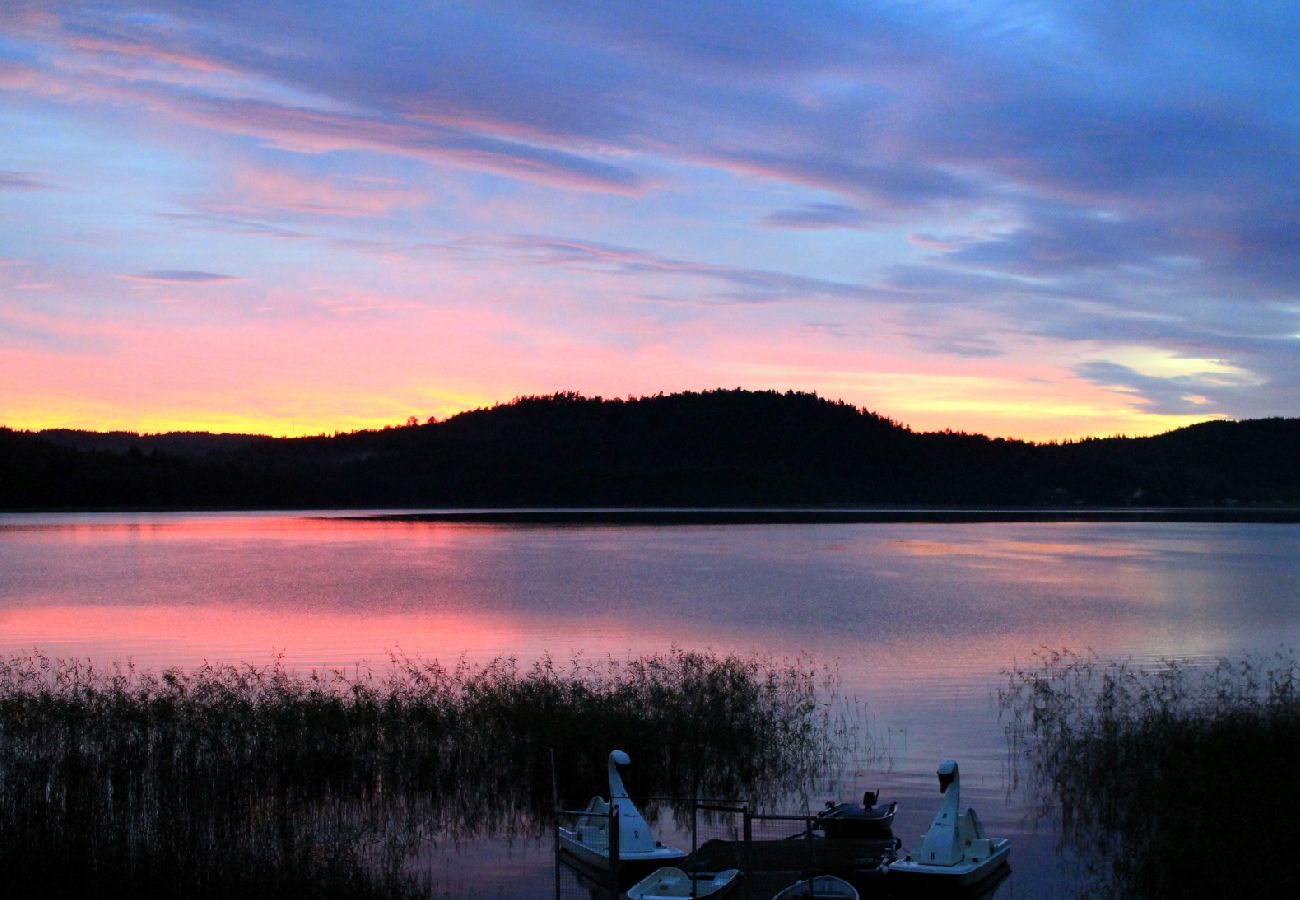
{"points": [[691, 449], [176, 443]]}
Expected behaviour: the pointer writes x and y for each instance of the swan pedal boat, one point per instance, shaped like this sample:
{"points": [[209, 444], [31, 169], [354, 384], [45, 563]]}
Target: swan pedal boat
{"points": [[956, 848], [822, 887], [638, 850], [671, 882]]}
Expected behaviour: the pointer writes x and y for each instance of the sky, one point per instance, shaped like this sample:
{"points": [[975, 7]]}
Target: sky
{"points": [[1034, 220]]}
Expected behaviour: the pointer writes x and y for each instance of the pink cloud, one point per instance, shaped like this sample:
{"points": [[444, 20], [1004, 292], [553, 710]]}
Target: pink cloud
{"points": [[259, 189], [933, 243], [92, 70], [315, 131], [319, 131], [16, 76], [147, 52]]}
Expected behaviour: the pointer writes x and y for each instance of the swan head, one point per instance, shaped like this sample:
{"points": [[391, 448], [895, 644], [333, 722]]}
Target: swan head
{"points": [[618, 757], [947, 773]]}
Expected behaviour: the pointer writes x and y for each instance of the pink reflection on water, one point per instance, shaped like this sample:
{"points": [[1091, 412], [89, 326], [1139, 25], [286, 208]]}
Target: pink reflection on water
{"points": [[897, 606], [162, 636]]}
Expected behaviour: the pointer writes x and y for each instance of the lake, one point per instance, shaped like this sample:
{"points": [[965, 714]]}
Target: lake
{"points": [[919, 619]]}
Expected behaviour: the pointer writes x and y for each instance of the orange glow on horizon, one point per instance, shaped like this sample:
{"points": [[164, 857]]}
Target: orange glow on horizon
{"points": [[1039, 423], [366, 374]]}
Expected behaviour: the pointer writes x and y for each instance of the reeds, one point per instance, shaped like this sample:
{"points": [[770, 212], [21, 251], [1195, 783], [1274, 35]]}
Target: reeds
{"points": [[256, 781], [1168, 781]]}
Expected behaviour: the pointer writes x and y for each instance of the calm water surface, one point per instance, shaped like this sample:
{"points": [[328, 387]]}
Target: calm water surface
{"points": [[919, 618]]}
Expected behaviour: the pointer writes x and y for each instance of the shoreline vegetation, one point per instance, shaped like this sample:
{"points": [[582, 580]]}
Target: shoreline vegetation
{"points": [[1167, 781], [257, 781], [718, 449]]}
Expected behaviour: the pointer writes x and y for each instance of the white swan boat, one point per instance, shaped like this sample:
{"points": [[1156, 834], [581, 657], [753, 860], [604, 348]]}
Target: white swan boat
{"points": [[671, 882], [956, 847], [638, 850], [822, 887]]}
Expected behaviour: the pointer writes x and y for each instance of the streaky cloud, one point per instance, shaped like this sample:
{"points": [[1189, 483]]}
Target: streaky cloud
{"points": [[181, 276], [23, 181], [746, 285], [885, 186], [52, 338], [965, 347], [816, 215], [233, 225], [322, 131], [1172, 395]]}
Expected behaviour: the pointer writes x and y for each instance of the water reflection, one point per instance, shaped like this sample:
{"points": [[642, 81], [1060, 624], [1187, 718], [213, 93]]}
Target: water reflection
{"points": [[959, 597], [919, 618]]}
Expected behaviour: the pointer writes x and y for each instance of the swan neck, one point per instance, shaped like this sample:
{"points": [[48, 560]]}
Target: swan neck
{"points": [[616, 788]]}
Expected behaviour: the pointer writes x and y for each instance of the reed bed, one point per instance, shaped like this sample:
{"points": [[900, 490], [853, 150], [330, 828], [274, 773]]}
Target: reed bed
{"points": [[1172, 780], [256, 781]]}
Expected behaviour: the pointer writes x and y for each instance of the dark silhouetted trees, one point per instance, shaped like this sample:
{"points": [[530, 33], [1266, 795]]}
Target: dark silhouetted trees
{"points": [[723, 447]]}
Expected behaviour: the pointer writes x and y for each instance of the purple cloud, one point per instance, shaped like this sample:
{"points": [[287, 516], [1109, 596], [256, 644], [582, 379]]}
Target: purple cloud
{"points": [[816, 215], [22, 181], [180, 276], [317, 131], [741, 284]]}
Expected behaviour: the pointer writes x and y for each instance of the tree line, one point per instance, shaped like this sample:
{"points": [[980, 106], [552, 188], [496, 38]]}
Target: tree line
{"points": [[723, 447]]}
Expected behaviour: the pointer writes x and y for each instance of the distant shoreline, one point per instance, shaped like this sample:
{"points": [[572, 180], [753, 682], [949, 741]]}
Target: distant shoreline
{"points": [[737, 515], [862, 515]]}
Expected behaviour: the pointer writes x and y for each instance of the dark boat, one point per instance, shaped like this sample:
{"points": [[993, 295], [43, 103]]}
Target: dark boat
{"points": [[841, 821]]}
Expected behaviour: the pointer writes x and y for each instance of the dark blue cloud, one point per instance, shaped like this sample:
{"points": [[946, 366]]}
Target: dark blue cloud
{"points": [[1058, 241], [1175, 395]]}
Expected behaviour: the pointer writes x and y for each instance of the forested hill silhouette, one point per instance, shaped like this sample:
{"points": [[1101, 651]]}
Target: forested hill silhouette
{"points": [[724, 447]]}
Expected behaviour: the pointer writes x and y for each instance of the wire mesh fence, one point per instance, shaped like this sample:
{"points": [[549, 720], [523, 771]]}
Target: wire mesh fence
{"points": [[587, 857]]}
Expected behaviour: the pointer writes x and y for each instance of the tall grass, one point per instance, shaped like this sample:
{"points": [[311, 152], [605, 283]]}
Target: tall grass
{"points": [[256, 781], [1171, 780]]}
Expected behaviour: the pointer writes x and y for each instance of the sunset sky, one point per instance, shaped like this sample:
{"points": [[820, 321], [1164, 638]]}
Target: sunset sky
{"points": [[1040, 220]]}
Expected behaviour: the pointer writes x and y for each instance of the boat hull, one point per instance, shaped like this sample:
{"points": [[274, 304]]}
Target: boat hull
{"points": [[846, 821], [964, 873], [631, 866], [821, 887], [669, 882]]}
